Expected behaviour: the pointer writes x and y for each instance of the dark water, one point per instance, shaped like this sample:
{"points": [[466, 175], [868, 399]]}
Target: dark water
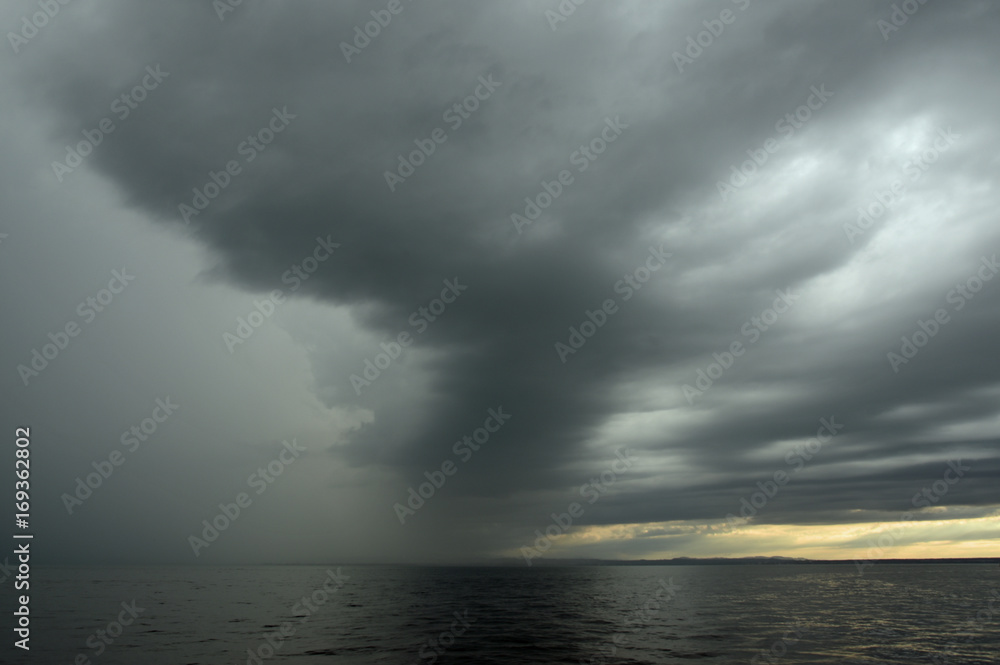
{"points": [[668, 614]]}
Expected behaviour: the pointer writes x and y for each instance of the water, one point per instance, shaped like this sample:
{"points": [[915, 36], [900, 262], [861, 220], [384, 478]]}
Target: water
{"points": [[650, 614]]}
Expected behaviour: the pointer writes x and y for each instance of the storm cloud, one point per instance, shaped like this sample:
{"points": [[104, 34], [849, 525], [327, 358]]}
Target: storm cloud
{"points": [[692, 230]]}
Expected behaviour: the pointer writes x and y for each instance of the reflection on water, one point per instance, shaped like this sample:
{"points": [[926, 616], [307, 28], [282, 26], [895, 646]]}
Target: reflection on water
{"points": [[594, 615]]}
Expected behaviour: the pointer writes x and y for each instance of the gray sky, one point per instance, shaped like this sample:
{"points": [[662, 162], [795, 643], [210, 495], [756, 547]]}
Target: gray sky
{"points": [[627, 138]]}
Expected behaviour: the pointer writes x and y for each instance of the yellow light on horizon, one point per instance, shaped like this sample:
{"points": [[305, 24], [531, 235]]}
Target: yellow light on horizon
{"points": [[903, 539]]}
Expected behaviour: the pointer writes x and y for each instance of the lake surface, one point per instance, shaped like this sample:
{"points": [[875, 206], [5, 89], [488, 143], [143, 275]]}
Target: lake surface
{"points": [[609, 614]]}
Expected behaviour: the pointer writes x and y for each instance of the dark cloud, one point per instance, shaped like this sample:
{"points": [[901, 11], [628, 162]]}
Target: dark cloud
{"points": [[655, 185]]}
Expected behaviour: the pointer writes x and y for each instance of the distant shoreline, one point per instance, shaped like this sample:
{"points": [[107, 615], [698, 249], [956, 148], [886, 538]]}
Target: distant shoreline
{"points": [[742, 561], [550, 563]]}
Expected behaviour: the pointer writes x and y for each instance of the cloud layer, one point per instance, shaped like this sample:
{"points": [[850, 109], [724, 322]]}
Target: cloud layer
{"points": [[683, 182]]}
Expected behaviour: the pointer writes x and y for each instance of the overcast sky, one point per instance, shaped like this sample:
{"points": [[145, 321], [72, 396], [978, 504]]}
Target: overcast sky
{"points": [[632, 227]]}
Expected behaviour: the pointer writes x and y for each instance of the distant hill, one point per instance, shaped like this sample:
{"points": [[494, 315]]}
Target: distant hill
{"points": [[726, 561]]}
